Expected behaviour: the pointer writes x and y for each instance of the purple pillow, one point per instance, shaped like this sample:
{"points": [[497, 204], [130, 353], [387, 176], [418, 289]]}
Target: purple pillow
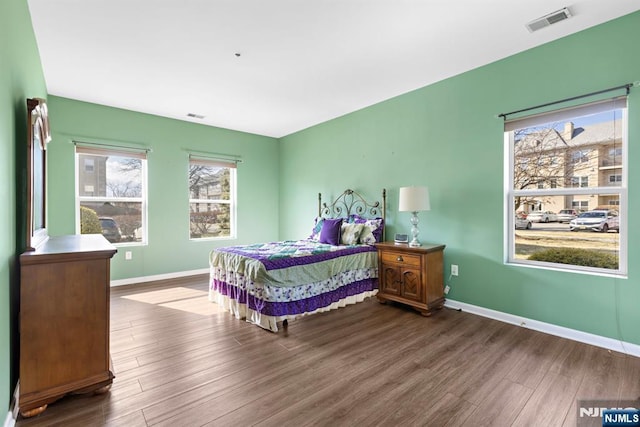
{"points": [[330, 233]]}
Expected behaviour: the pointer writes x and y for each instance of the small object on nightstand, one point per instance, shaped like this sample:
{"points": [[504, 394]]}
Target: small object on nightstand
{"points": [[411, 275], [401, 238]]}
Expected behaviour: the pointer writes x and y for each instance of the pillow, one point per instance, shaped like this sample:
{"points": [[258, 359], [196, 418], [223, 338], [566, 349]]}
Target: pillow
{"points": [[372, 231], [330, 232], [317, 228], [350, 233]]}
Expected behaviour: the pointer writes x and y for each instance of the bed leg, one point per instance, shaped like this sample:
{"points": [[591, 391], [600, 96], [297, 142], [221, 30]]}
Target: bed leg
{"points": [[285, 323]]}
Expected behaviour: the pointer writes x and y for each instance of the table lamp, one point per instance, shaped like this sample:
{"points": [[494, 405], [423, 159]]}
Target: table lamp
{"points": [[414, 199]]}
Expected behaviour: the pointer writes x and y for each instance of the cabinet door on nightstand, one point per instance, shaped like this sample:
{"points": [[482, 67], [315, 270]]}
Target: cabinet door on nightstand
{"points": [[390, 281], [412, 284]]}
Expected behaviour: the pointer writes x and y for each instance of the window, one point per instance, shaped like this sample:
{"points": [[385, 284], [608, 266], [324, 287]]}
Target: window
{"points": [[111, 193], [88, 165], [613, 157], [212, 189], [615, 152], [579, 181], [580, 205], [580, 156], [574, 150]]}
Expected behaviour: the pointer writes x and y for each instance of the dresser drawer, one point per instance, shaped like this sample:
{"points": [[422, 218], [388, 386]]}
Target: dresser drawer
{"points": [[400, 258]]}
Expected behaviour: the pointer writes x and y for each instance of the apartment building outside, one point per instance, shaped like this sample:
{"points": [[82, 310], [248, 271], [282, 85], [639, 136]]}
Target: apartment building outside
{"points": [[566, 156]]}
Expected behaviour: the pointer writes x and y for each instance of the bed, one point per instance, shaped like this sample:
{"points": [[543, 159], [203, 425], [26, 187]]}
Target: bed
{"points": [[269, 284]]}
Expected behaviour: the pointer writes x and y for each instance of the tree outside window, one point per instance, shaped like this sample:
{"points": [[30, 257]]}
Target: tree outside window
{"points": [[112, 189], [566, 161], [211, 199]]}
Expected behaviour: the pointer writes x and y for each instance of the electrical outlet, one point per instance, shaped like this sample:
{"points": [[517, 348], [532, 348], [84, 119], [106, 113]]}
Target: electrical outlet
{"points": [[454, 269], [447, 289], [128, 255]]}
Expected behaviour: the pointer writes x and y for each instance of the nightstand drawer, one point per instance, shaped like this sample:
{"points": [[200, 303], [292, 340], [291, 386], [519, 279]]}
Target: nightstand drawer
{"points": [[400, 258]]}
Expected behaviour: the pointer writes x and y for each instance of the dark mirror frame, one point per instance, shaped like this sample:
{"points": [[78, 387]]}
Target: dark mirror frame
{"points": [[39, 135]]}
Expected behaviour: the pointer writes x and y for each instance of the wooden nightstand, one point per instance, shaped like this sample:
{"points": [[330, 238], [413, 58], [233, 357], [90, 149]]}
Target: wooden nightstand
{"points": [[412, 276]]}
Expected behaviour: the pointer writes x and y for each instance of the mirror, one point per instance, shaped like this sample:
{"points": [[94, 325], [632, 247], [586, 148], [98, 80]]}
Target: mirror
{"points": [[38, 136]]}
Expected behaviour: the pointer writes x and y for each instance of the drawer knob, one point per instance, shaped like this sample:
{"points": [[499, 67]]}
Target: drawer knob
{"points": [[399, 259]]}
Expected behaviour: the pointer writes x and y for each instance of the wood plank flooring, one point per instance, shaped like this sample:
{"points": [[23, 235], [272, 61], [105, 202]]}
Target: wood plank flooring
{"points": [[180, 361]]}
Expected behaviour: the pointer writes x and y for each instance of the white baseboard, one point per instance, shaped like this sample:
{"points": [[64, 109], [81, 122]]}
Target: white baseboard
{"points": [[9, 421], [560, 331], [132, 280]]}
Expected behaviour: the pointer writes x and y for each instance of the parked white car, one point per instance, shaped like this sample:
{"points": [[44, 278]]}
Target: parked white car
{"points": [[597, 220], [539, 216], [566, 215], [522, 222]]}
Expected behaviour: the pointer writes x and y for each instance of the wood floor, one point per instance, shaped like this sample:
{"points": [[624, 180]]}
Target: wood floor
{"points": [[179, 361]]}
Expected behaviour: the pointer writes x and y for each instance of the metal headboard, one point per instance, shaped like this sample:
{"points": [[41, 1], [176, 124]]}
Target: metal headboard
{"points": [[351, 202]]}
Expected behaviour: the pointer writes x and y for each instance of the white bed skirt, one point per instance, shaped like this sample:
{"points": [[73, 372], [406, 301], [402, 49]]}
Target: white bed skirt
{"points": [[241, 311]]}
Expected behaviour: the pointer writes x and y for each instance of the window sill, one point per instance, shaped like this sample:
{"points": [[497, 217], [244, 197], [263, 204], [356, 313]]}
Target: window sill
{"points": [[617, 274]]}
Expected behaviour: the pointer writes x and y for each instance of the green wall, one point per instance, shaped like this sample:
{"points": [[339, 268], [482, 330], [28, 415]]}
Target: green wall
{"points": [[20, 78], [169, 249], [447, 136]]}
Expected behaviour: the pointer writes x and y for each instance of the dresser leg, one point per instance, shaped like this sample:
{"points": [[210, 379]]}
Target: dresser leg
{"points": [[33, 412], [103, 390]]}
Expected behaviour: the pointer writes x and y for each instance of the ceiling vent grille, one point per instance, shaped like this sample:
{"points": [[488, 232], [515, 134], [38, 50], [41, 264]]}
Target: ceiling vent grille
{"points": [[549, 19]]}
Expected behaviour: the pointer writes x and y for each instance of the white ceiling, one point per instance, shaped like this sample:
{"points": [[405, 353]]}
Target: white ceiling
{"points": [[301, 62]]}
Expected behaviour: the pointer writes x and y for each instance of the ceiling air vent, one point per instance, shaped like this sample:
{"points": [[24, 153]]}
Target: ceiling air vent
{"points": [[549, 19], [195, 116]]}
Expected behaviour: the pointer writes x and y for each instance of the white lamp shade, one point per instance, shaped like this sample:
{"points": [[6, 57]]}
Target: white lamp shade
{"points": [[414, 199]]}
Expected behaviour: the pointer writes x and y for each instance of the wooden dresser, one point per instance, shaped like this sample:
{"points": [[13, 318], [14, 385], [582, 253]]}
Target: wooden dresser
{"points": [[64, 320], [412, 276]]}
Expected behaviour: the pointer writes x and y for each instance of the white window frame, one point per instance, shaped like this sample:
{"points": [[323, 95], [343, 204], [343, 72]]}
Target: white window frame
{"points": [[115, 151], [232, 202], [511, 193]]}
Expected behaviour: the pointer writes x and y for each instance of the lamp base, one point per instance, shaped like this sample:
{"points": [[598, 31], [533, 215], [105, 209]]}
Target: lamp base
{"points": [[414, 230]]}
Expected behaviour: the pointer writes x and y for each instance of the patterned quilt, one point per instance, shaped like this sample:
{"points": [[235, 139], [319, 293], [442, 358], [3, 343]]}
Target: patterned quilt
{"points": [[291, 278], [292, 262]]}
